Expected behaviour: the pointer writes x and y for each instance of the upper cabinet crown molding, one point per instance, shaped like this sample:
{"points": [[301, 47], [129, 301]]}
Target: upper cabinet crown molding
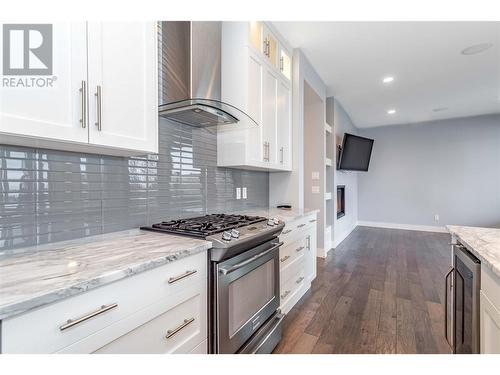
{"points": [[256, 77], [104, 93]]}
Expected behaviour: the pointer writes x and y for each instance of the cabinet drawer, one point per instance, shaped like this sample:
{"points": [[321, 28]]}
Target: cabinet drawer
{"points": [[293, 269], [46, 330], [200, 349], [294, 250], [295, 228], [179, 329], [490, 285], [289, 288]]}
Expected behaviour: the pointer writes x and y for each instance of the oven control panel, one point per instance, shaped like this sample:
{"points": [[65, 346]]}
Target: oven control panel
{"points": [[245, 233]]}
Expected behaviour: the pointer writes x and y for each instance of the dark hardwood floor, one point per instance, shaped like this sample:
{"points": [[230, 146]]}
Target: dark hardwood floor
{"points": [[380, 291]]}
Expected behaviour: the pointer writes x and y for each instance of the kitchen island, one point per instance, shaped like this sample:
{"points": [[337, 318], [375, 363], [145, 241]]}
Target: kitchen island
{"points": [[484, 244]]}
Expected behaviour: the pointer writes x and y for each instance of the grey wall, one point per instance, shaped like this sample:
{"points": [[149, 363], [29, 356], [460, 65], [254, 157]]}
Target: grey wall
{"points": [[48, 196], [449, 167], [344, 225]]}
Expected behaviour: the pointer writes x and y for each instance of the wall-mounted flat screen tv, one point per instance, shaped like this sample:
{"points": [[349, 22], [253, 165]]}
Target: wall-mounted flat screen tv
{"points": [[355, 153]]}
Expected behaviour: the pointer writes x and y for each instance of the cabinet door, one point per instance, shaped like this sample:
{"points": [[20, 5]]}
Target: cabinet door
{"points": [[490, 326], [285, 63], [270, 44], [255, 141], [255, 36], [311, 243], [123, 85], [284, 140], [48, 106], [269, 116]]}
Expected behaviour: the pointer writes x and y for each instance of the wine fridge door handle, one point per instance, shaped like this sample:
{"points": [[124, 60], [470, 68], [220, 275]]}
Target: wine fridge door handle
{"points": [[446, 300]]}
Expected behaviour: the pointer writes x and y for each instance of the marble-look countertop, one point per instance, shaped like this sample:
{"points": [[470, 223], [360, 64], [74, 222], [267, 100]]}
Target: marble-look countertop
{"points": [[284, 215], [482, 242], [39, 275]]}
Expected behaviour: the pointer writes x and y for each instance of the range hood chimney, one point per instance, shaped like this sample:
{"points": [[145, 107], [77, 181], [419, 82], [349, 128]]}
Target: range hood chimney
{"points": [[190, 76]]}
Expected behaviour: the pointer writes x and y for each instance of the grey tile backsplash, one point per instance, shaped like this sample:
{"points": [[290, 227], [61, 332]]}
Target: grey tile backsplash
{"points": [[48, 195]]}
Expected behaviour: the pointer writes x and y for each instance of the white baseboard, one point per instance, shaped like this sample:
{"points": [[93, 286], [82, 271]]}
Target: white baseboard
{"points": [[422, 228], [338, 240]]}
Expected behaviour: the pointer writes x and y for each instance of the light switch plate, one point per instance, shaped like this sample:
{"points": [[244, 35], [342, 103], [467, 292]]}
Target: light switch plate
{"points": [[238, 193], [244, 192]]}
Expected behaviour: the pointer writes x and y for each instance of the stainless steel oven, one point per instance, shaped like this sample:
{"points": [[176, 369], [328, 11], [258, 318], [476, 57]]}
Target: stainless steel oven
{"points": [[245, 316], [462, 302]]}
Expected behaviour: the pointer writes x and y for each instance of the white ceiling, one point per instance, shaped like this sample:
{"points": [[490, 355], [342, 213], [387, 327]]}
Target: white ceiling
{"points": [[424, 58]]}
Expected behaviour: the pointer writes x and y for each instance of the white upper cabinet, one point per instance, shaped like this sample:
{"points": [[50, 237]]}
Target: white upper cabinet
{"points": [[252, 80], [46, 106], [122, 80], [118, 59]]}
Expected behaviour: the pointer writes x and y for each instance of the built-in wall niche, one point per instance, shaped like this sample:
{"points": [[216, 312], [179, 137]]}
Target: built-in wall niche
{"points": [[340, 201]]}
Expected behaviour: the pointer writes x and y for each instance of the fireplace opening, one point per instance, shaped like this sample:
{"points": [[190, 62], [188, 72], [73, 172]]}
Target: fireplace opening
{"points": [[340, 201]]}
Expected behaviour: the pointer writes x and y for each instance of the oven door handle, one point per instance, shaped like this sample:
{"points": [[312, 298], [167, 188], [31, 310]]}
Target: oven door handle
{"points": [[237, 266]]}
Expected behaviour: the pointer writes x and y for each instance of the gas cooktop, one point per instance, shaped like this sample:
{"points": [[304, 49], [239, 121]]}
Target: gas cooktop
{"points": [[203, 226]]}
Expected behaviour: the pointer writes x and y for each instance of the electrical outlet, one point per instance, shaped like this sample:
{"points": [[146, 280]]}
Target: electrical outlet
{"points": [[244, 192], [436, 217], [315, 175], [315, 189], [238, 193]]}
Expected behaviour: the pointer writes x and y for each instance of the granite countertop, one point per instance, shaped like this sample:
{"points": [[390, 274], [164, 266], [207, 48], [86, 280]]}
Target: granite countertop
{"points": [[39, 275], [483, 242], [284, 215]]}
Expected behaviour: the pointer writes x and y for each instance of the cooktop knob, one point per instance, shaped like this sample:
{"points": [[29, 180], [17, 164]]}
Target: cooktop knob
{"points": [[276, 220], [235, 233], [226, 236], [270, 222]]}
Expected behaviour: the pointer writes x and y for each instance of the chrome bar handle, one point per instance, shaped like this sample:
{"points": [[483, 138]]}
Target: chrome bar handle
{"points": [[446, 304], [312, 220], [237, 266], [98, 96], [299, 280], [299, 249], [73, 322], [285, 258], [308, 238], [281, 64], [282, 155], [172, 332], [286, 231], [83, 90], [301, 225], [174, 279], [284, 295]]}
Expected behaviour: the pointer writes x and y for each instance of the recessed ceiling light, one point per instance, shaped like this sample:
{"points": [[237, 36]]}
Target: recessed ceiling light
{"points": [[440, 109], [476, 48], [391, 111], [388, 79]]}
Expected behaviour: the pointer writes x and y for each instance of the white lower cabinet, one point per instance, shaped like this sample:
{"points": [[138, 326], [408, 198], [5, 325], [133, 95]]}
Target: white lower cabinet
{"points": [[163, 310], [489, 315], [490, 327], [297, 260]]}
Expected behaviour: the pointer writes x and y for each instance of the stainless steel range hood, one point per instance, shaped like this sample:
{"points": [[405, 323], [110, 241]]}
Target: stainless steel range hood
{"points": [[190, 76]]}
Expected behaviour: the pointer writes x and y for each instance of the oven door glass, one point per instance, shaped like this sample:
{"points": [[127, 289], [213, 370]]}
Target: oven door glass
{"points": [[249, 293]]}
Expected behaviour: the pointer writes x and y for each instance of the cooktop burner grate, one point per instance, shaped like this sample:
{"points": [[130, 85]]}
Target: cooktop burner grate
{"points": [[204, 226]]}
